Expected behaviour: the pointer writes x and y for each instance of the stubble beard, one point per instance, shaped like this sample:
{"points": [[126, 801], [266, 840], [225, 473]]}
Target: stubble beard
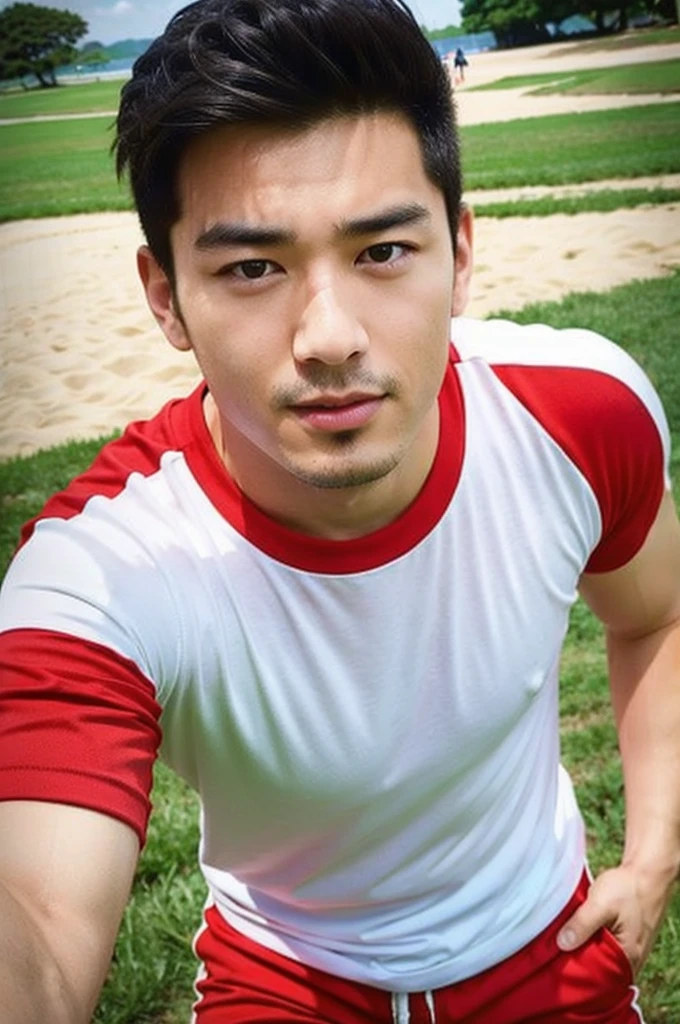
{"points": [[345, 444]]}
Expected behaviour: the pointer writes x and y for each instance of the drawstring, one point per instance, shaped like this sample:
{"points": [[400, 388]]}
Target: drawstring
{"points": [[400, 1007], [400, 1011]]}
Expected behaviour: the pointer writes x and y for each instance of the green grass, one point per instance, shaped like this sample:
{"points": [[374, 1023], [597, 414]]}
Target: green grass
{"points": [[571, 148], [79, 98], [54, 168], [653, 77], [629, 41], [649, 77], [152, 973], [25, 483], [597, 201], [58, 167], [153, 968]]}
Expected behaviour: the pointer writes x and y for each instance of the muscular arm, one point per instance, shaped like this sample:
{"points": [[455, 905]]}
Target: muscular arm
{"points": [[65, 877], [640, 608]]}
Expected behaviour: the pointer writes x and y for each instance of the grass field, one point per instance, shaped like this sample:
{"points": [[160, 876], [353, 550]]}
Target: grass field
{"points": [[598, 201], [630, 41], [568, 148], [76, 98], [58, 167], [151, 975], [653, 77], [96, 97], [54, 168]]}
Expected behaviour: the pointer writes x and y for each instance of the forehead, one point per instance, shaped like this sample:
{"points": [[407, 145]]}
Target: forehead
{"points": [[338, 168]]}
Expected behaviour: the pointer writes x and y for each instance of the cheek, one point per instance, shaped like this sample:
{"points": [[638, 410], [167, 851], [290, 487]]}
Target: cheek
{"points": [[421, 322], [236, 344], [426, 297]]}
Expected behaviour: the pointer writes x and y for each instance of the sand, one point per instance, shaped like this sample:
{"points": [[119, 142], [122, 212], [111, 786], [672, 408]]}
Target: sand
{"points": [[80, 354]]}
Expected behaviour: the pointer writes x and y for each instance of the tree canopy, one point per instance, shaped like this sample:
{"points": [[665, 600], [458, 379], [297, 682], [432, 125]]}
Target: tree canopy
{"points": [[37, 40], [512, 21], [519, 21], [442, 33]]}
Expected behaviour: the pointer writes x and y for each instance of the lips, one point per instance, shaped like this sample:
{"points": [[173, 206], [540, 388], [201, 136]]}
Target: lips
{"points": [[338, 412]]}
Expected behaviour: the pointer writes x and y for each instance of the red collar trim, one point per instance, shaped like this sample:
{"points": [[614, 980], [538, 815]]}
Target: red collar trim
{"points": [[317, 554]]}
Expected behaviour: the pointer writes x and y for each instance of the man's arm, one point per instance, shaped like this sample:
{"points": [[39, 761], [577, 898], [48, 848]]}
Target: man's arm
{"points": [[639, 605], [65, 877]]}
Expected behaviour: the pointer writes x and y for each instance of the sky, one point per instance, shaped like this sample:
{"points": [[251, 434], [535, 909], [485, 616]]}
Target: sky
{"points": [[111, 20]]}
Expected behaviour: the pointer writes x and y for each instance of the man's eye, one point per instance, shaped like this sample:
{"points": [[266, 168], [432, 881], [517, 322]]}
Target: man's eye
{"points": [[252, 269], [383, 252], [249, 270]]}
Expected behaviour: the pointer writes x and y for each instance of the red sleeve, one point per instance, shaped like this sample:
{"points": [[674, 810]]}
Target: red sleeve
{"points": [[607, 431], [78, 725]]}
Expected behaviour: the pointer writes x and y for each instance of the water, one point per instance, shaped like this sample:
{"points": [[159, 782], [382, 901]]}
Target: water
{"points": [[474, 42], [121, 67]]}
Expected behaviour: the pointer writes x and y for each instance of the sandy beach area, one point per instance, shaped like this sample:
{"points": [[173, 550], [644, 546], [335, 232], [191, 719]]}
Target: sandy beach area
{"points": [[80, 355]]}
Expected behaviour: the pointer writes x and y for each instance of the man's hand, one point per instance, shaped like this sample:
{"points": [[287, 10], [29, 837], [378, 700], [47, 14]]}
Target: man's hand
{"points": [[627, 902]]}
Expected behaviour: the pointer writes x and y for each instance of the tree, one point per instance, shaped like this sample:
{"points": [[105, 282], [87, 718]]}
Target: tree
{"points": [[615, 15], [448, 32], [92, 55], [37, 40], [523, 21], [512, 21]]}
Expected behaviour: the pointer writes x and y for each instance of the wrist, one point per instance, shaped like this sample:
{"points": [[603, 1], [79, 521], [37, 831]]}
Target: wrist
{"points": [[657, 868]]}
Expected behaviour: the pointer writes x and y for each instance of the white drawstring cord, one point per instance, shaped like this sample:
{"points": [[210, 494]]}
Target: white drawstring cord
{"points": [[400, 1007], [400, 1010]]}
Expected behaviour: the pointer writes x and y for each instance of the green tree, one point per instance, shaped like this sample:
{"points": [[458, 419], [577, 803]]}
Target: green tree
{"points": [[36, 40], [522, 21], [92, 55], [615, 15], [513, 21], [447, 32]]}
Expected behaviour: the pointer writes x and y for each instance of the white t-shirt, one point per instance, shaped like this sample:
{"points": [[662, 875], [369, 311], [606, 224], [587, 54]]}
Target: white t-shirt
{"points": [[372, 724]]}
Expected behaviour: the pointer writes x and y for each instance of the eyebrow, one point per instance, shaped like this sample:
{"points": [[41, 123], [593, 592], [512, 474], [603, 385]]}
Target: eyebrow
{"points": [[224, 235], [393, 217], [232, 234]]}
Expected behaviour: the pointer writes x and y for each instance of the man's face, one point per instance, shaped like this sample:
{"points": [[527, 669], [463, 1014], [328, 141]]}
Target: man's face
{"points": [[314, 282]]}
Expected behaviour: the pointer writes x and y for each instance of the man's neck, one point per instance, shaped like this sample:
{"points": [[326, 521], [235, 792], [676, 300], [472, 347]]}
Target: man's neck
{"points": [[334, 513]]}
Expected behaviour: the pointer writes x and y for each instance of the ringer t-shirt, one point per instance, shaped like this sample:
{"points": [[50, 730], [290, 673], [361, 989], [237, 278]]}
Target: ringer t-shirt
{"points": [[371, 724]]}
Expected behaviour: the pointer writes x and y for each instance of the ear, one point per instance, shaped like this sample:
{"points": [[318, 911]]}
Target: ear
{"points": [[161, 300], [463, 262]]}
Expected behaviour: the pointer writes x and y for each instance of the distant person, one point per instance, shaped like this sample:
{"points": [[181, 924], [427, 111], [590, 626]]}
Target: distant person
{"points": [[460, 62], [330, 587]]}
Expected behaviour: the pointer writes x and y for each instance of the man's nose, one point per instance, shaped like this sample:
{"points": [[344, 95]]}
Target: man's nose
{"points": [[328, 330]]}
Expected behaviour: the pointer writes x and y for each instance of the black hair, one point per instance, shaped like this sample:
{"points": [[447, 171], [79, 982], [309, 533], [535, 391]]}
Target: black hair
{"points": [[287, 63]]}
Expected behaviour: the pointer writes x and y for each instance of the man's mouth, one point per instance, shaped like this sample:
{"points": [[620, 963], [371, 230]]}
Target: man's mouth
{"points": [[338, 412]]}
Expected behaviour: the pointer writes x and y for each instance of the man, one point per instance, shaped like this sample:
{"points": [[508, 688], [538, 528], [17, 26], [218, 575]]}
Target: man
{"points": [[460, 62], [333, 583]]}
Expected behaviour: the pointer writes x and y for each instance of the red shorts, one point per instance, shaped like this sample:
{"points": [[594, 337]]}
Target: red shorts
{"points": [[243, 982]]}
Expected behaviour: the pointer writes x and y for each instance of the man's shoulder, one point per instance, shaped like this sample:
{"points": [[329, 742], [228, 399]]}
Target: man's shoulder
{"points": [[575, 372], [140, 451], [595, 403], [501, 342]]}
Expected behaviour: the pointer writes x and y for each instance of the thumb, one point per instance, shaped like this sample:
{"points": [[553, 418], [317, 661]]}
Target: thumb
{"points": [[581, 926]]}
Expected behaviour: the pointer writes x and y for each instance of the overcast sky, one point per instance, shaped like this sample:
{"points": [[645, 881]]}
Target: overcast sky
{"points": [[110, 20]]}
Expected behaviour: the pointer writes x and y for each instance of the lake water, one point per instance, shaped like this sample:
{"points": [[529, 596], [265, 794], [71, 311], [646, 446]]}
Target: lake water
{"points": [[122, 66]]}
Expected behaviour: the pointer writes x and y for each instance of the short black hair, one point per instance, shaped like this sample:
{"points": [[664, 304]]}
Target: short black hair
{"points": [[284, 63]]}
